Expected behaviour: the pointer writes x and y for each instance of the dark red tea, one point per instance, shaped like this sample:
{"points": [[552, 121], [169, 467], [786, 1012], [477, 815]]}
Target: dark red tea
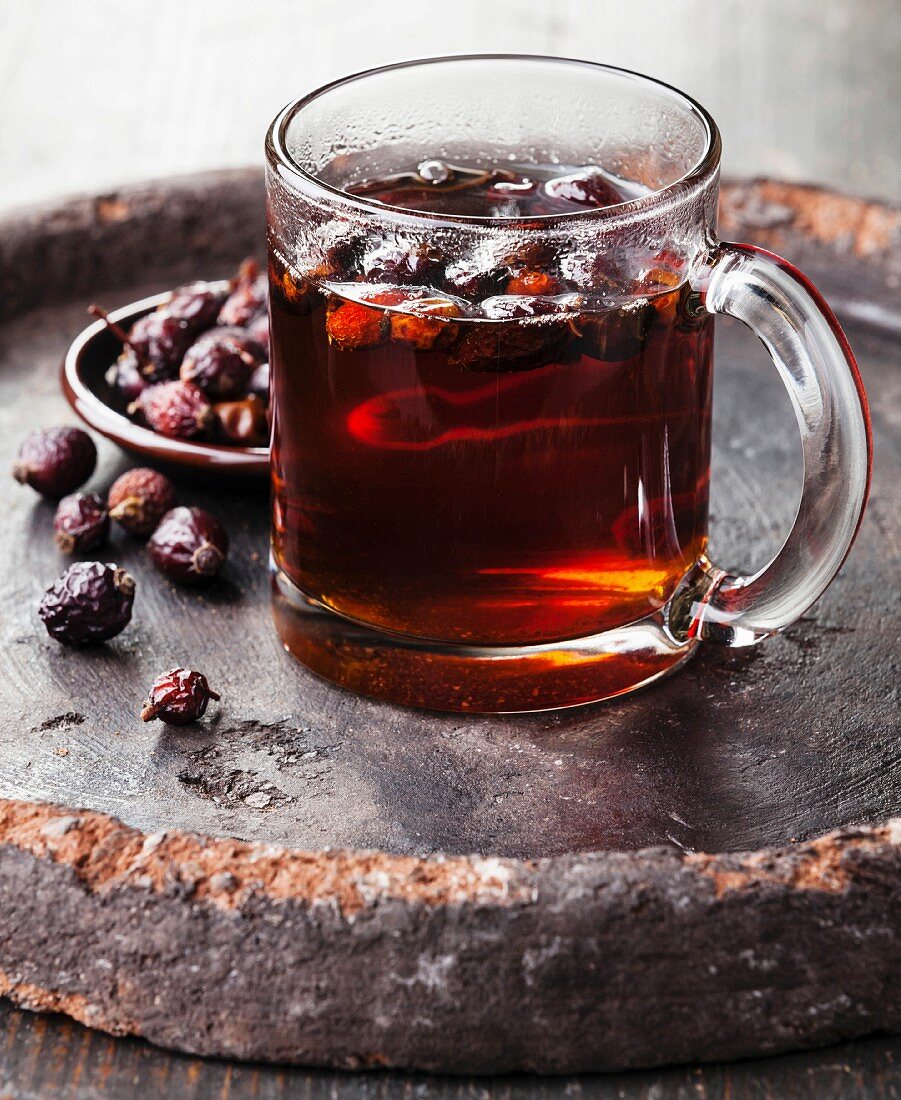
{"points": [[483, 455]]}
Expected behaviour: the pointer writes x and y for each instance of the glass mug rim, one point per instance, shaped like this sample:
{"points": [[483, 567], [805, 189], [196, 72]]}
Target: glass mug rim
{"points": [[651, 204]]}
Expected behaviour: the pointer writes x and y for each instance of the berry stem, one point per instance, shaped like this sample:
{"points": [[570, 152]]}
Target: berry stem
{"points": [[116, 329], [119, 332]]}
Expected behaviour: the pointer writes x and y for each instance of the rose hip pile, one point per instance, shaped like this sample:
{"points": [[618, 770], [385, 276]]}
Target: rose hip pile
{"points": [[197, 366], [92, 601]]}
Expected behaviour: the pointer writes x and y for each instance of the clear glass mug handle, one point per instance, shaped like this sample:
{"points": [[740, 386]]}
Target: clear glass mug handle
{"points": [[809, 349]]}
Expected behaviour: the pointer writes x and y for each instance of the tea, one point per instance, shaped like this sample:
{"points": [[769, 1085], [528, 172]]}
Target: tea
{"points": [[480, 453]]}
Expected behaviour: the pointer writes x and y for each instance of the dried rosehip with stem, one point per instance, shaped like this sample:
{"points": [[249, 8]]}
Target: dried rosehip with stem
{"points": [[157, 340], [91, 602], [81, 523], [178, 697], [221, 362], [189, 545], [55, 461], [139, 499], [176, 409]]}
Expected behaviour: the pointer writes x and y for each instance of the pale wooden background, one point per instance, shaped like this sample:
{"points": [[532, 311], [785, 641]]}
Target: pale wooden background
{"points": [[97, 92]]}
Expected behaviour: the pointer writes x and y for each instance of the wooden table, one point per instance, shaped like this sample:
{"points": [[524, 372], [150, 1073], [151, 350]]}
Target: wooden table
{"points": [[51, 1058]]}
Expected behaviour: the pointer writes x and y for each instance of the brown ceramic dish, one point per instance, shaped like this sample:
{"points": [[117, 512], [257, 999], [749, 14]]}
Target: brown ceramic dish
{"points": [[85, 387]]}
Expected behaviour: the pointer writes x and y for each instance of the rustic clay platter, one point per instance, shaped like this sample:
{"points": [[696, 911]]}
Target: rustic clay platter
{"points": [[705, 870]]}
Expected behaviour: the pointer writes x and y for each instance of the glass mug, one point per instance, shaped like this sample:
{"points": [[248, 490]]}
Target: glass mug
{"points": [[491, 408]]}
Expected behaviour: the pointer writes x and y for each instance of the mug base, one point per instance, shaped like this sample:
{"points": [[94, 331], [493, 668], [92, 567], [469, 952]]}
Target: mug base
{"points": [[417, 672]]}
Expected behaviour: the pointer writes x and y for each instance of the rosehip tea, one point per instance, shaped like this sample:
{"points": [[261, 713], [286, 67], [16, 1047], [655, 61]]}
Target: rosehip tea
{"points": [[491, 391], [488, 457]]}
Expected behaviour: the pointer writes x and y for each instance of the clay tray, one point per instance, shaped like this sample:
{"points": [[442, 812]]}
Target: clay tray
{"points": [[705, 870]]}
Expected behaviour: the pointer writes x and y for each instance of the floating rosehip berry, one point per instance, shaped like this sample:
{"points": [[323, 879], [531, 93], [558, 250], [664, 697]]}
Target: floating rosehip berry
{"points": [[221, 362], [587, 187], [178, 697], [426, 325], [508, 306], [189, 545], [350, 325], [661, 285], [91, 602], [339, 246], [500, 347], [81, 523], [533, 282], [474, 280], [248, 298], [56, 461], [258, 386], [242, 422], [139, 499], [176, 409], [615, 335]]}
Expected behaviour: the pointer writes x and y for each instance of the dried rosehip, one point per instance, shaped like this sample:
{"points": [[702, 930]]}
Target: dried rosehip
{"points": [[197, 305], [258, 331], [189, 545], [178, 697], [140, 498], [258, 386], [243, 422], [350, 325], [124, 377], [533, 282], [248, 298], [221, 362], [160, 341], [81, 523], [587, 187], [55, 461], [615, 335], [507, 306], [91, 602], [176, 409]]}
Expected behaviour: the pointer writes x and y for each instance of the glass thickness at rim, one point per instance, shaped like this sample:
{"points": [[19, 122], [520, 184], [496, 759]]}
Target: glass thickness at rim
{"points": [[706, 166]]}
